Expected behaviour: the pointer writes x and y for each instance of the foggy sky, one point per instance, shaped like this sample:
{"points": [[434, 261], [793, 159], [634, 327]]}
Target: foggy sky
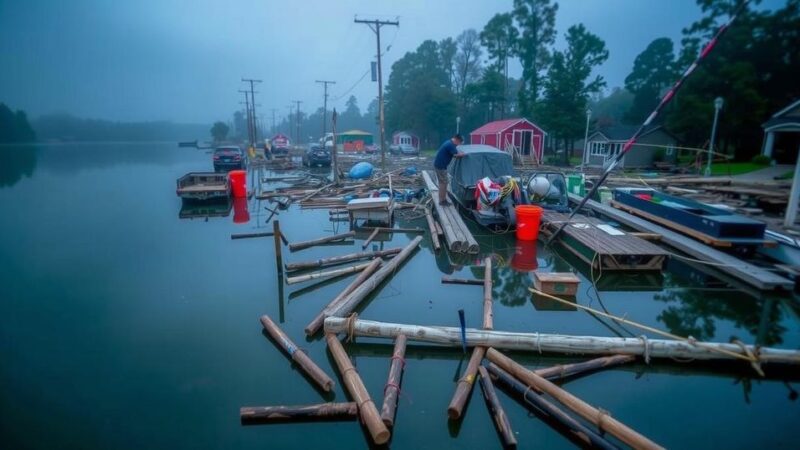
{"points": [[183, 60]]}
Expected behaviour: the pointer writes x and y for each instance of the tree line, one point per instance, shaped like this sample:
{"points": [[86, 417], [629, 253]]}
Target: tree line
{"points": [[14, 126], [754, 68]]}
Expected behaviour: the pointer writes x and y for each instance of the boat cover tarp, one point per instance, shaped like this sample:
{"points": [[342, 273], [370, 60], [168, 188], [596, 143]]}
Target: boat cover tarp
{"points": [[480, 161]]}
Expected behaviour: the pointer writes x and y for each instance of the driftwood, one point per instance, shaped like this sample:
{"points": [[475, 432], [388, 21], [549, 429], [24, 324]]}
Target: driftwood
{"points": [[475, 282], [327, 273], [350, 303], [392, 230], [488, 320], [530, 397], [392, 389], [352, 382], [297, 355], [316, 323], [432, 228], [499, 416], [557, 343], [325, 262], [465, 383], [251, 235], [255, 415], [601, 419], [370, 238], [293, 247], [562, 371]]}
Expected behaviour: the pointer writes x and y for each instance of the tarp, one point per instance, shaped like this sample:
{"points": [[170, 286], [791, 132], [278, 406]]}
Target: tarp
{"points": [[480, 161]]}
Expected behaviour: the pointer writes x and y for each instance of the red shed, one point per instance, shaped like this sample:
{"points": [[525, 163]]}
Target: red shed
{"points": [[520, 137], [405, 137]]}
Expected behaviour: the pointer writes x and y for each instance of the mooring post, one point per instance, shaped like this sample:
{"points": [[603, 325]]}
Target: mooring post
{"points": [[276, 229]]}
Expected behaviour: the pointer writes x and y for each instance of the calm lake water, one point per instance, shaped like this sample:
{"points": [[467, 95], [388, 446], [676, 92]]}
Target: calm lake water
{"points": [[129, 322]]}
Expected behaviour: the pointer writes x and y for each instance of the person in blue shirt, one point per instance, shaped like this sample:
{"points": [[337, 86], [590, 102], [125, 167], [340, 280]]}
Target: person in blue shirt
{"points": [[444, 155]]}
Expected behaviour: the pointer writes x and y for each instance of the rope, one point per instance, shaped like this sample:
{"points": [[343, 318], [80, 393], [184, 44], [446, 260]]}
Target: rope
{"points": [[646, 348], [399, 358], [602, 414], [756, 361], [350, 326]]}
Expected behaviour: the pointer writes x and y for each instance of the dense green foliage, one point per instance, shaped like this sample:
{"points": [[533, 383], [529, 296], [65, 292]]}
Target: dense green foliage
{"points": [[14, 126], [653, 71]]}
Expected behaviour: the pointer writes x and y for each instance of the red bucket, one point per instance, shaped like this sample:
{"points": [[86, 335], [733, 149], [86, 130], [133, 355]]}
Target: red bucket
{"points": [[528, 219], [240, 213], [524, 259], [238, 179]]}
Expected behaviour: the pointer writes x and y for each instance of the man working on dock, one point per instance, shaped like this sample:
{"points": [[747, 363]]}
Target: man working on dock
{"points": [[444, 155]]}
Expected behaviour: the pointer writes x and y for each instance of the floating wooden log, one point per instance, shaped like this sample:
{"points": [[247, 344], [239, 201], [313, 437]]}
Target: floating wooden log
{"points": [[276, 232], [465, 383], [325, 262], [327, 273], [316, 323], [293, 247], [392, 230], [501, 421], [556, 343], [601, 419], [352, 381], [258, 415], [438, 229], [391, 391], [251, 235], [562, 371], [370, 238], [297, 355], [432, 228], [488, 319], [530, 397], [350, 303], [475, 282]]}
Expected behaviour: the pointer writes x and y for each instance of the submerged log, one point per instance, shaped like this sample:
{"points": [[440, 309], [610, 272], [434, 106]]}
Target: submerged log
{"points": [[601, 419], [352, 381], [530, 397], [297, 355], [324, 262], [276, 231], [562, 371], [327, 273], [251, 235], [316, 322], [488, 318], [465, 383], [293, 247], [256, 415], [557, 343], [501, 421], [475, 282], [350, 303], [392, 389]]}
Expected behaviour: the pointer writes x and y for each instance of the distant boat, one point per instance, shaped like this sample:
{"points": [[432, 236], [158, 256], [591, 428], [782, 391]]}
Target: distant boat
{"points": [[188, 144]]}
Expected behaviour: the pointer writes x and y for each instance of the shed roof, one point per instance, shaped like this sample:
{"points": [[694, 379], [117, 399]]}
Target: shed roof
{"points": [[355, 133], [793, 105], [404, 132], [624, 132], [499, 125], [782, 124]]}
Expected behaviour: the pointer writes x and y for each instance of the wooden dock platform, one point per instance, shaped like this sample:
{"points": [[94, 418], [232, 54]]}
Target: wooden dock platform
{"points": [[602, 246], [755, 276]]}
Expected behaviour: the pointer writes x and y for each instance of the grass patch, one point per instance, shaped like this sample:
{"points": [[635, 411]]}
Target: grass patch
{"points": [[786, 176], [734, 168]]}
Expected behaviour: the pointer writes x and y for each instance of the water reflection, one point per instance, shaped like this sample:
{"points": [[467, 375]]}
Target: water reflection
{"points": [[17, 161], [205, 210]]}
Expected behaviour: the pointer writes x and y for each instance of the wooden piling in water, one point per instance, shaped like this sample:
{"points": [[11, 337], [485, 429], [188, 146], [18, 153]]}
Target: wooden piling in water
{"points": [[601, 419], [499, 416], [327, 273], [488, 317], [276, 232], [259, 415], [465, 383], [391, 391], [370, 238], [251, 235], [324, 262], [352, 382], [303, 361], [295, 246], [532, 398], [316, 323]]}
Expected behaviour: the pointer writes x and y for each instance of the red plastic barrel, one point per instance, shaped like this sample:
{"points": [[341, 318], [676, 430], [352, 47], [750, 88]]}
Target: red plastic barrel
{"points": [[240, 213], [524, 259], [528, 219], [238, 179]]}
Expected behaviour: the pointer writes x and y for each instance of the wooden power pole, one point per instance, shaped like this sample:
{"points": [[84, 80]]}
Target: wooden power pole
{"points": [[297, 123], [375, 25], [325, 108]]}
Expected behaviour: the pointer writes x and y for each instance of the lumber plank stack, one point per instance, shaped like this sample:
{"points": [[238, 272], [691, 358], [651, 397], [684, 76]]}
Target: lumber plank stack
{"points": [[457, 235]]}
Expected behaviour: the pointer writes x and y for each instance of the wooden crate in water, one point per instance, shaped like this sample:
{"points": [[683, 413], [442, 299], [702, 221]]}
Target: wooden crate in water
{"points": [[556, 283]]}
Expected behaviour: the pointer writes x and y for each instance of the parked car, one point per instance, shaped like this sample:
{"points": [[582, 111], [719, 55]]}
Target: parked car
{"points": [[228, 157], [316, 155], [372, 149], [408, 149]]}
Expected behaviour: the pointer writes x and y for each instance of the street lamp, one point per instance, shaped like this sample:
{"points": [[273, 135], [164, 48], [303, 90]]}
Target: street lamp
{"points": [[717, 106], [586, 138], [458, 124]]}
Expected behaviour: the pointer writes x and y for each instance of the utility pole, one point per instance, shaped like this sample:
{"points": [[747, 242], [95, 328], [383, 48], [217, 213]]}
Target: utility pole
{"points": [[253, 107], [375, 26], [297, 123], [333, 154], [273, 119], [249, 119], [325, 109]]}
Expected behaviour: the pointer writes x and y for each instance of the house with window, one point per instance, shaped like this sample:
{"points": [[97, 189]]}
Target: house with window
{"points": [[405, 138], [782, 134], [654, 145], [520, 137]]}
